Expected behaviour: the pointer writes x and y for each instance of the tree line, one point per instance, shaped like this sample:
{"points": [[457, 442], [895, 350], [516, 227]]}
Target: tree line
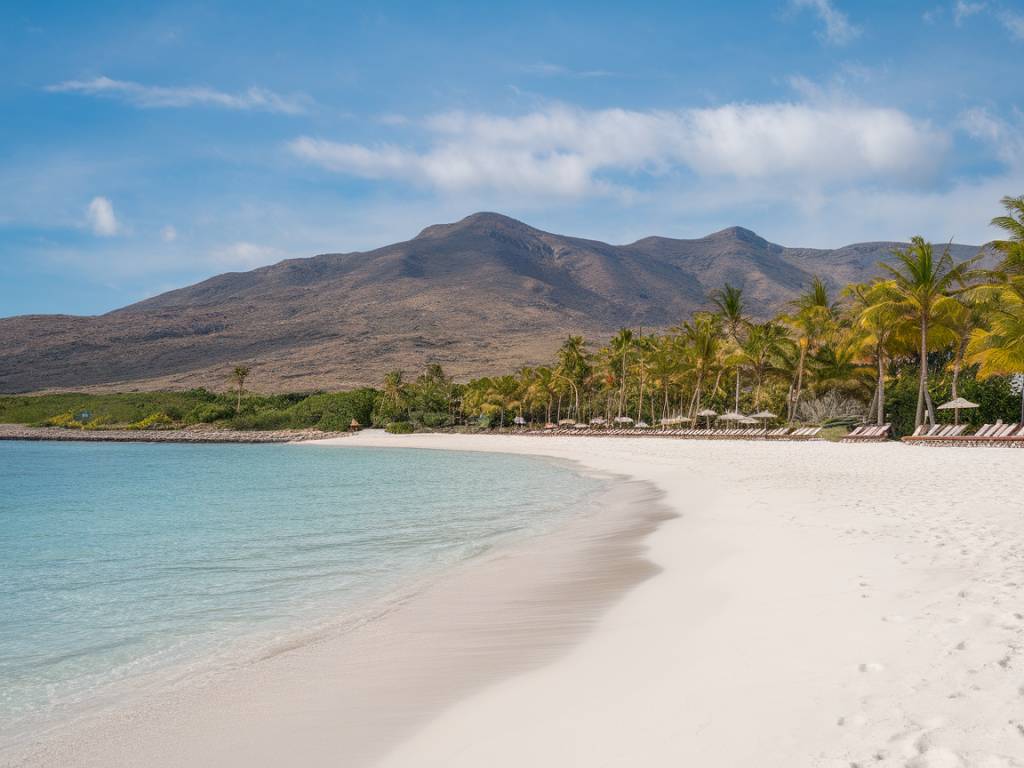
{"points": [[883, 350]]}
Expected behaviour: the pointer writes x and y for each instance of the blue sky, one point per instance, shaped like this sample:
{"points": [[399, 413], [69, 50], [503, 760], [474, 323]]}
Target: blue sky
{"points": [[147, 147]]}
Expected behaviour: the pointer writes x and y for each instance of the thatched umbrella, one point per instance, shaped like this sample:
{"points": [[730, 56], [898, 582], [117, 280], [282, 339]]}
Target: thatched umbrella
{"points": [[707, 413], [955, 406], [623, 420], [765, 415], [567, 422], [354, 426]]}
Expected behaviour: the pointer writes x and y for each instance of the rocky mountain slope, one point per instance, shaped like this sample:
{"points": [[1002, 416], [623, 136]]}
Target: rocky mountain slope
{"points": [[482, 295]]}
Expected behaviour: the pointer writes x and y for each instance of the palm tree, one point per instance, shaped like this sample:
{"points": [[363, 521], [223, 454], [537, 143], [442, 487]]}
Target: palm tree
{"points": [[813, 317], [761, 351], [573, 367], [620, 346], [238, 376], [878, 321], [964, 317], [921, 287], [729, 301], [665, 365], [999, 348], [1013, 247], [504, 395], [394, 392], [703, 340]]}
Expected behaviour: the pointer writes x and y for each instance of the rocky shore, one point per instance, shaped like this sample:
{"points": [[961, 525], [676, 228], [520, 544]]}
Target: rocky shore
{"points": [[189, 435]]}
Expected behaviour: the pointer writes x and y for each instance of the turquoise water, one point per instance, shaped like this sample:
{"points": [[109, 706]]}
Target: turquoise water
{"points": [[119, 562]]}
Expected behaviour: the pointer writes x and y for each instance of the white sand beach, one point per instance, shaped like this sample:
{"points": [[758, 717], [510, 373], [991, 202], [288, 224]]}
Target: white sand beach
{"points": [[817, 605], [808, 604]]}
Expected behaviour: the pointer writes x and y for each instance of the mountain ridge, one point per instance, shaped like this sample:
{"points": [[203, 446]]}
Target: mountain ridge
{"points": [[481, 295]]}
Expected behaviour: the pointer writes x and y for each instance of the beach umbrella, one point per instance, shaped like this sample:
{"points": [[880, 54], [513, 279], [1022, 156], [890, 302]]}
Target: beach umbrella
{"points": [[642, 424], [519, 420], [549, 425], [707, 413], [623, 420], [732, 416], [765, 415], [597, 421], [567, 422], [955, 406], [579, 426]]}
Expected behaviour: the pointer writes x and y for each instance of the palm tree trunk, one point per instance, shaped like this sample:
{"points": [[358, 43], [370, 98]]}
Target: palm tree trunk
{"points": [[737, 389], [622, 384], [881, 388], [922, 383], [640, 404], [795, 402]]}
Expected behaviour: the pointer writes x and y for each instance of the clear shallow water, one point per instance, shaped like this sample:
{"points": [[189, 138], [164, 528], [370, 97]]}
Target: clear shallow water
{"points": [[120, 562]]}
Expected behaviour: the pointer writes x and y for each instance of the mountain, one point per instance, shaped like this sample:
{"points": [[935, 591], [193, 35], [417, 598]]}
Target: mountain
{"points": [[482, 295]]}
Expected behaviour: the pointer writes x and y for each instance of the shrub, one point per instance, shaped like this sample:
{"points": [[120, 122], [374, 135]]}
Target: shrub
{"points": [[400, 428], [64, 420], [334, 412], [209, 413], [262, 420], [153, 421]]}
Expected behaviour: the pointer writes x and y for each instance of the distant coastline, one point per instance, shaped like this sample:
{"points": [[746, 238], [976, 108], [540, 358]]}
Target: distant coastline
{"points": [[18, 432]]}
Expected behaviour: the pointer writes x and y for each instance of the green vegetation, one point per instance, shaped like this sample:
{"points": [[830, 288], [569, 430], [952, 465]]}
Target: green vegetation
{"points": [[162, 410], [926, 330]]}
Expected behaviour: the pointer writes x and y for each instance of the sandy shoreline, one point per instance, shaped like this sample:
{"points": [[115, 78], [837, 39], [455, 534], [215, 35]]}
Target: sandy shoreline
{"points": [[817, 605], [353, 695], [811, 605]]}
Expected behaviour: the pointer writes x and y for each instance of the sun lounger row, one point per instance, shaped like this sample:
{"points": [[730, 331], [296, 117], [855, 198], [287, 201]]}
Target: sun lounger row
{"points": [[782, 433], [868, 434], [989, 434]]}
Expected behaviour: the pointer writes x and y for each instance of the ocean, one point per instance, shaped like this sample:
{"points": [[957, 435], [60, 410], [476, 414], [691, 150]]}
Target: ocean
{"points": [[128, 566]]}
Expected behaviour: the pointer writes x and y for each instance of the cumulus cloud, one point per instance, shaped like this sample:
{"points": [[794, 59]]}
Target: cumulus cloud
{"points": [[159, 96], [168, 234], [838, 29], [100, 215], [568, 152]]}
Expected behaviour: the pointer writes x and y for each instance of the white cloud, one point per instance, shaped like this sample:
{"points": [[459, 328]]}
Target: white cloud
{"points": [[839, 30], [1014, 23], [1006, 138], [100, 215], [244, 255], [963, 9], [168, 234], [158, 96], [566, 152]]}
